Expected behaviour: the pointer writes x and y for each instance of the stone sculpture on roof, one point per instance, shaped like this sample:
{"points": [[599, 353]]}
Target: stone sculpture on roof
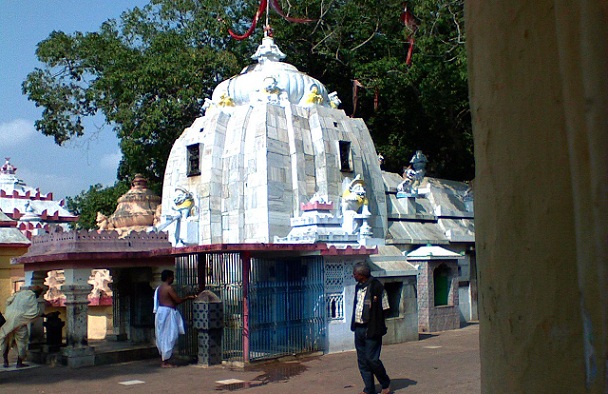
{"points": [[413, 175], [354, 205], [135, 210]]}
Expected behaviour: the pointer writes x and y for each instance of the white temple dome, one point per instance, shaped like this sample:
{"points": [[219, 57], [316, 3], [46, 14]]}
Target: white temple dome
{"points": [[270, 80], [270, 140]]}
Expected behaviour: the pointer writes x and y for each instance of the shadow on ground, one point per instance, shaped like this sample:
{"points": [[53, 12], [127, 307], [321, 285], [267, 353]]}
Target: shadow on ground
{"points": [[398, 384]]}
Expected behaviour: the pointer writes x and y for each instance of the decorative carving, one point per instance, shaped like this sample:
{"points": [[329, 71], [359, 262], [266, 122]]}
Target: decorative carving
{"points": [[413, 174], [8, 168], [354, 205], [225, 100], [185, 208], [103, 222], [334, 101], [354, 196], [184, 202], [380, 160], [135, 211], [270, 91], [54, 280], [224, 103], [312, 97], [100, 279]]}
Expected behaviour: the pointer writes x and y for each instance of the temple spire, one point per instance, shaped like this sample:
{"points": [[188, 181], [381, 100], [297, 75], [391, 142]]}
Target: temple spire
{"points": [[8, 168]]}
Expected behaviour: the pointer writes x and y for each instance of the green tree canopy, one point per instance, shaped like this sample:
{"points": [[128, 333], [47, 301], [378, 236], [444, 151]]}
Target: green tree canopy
{"points": [[423, 105], [96, 199], [148, 73]]}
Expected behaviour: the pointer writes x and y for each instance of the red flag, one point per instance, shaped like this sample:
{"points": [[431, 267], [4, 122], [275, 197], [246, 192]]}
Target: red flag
{"points": [[376, 98], [408, 58], [277, 7], [356, 86], [263, 4], [408, 19], [260, 11]]}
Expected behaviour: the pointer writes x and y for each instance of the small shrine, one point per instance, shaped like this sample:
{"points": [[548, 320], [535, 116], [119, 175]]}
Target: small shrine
{"points": [[111, 272], [437, 288], [137, 210]]}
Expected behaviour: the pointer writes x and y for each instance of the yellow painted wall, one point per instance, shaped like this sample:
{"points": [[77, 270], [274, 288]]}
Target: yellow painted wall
{"points": [[538, 74], [99, 322], [8, 272]]}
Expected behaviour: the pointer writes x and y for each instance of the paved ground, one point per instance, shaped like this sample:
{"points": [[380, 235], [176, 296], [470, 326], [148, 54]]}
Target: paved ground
{"points": [[445, 362]]}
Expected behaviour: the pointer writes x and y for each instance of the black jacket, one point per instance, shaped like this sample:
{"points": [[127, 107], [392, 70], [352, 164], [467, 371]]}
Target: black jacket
{"points": [[373, 314]]}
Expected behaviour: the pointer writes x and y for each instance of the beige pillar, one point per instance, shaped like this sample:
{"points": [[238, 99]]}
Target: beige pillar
{"points": [[538, 88], [156, 272], [76, 290]]}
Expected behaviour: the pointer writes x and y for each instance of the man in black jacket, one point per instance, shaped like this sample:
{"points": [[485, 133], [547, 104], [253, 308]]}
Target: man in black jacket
{"points": [[369, 307]]}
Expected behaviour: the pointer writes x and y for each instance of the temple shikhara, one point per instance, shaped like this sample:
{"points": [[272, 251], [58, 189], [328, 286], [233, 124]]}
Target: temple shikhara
{"points": [[268, 201], [24, 212], [35, 212]]}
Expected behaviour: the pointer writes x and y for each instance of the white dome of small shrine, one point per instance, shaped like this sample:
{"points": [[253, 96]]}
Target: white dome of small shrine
{"points": [[271, 80]]}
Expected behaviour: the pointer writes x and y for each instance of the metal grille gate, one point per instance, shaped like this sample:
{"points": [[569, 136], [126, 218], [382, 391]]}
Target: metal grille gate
{"points": [[224, 277], [285, 302], [186, 283], [286, 306]]}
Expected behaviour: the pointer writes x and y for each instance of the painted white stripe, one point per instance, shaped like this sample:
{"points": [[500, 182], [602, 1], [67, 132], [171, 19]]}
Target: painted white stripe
{"points": [[230, 381], [131, 382]]}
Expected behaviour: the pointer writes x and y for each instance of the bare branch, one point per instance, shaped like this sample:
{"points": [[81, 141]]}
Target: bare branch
{"points": [[458, 39], [323, 39], [323, 13], [369, 38]]}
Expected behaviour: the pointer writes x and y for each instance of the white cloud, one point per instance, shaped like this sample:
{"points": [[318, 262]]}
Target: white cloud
{"points": [[16, 132]]}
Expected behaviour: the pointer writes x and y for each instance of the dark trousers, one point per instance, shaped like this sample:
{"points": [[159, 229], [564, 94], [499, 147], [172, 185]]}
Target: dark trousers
{"points": [[368, 359]]}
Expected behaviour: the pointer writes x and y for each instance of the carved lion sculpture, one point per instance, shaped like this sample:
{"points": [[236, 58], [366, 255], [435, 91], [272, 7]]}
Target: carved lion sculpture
{"points": [[103, 222]]}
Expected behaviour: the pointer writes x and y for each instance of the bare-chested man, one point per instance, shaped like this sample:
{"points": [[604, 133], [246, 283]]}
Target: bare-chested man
{"points": [[168, 321]]}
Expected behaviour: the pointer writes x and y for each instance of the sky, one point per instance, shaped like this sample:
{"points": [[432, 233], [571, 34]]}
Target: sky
{"points": [[88, 160]]}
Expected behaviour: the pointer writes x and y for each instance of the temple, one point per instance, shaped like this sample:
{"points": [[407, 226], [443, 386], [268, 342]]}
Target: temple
{"points": [[24, 212], [268, 201], [34, 211]]}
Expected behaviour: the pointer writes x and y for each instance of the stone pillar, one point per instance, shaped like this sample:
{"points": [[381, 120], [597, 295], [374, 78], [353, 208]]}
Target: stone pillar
{"points": [[208, 319], [141, 319], [36, 278], [156, 272], [538, 79], [76, 290], [119, 312]]}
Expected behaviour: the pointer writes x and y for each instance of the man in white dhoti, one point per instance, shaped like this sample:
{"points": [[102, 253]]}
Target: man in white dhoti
{"points": [[21, 309], [168, 322]]}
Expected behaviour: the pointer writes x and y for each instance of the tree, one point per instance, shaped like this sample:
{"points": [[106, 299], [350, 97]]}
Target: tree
{"points": [[148, 73], [423, 105], [96, 199]]}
